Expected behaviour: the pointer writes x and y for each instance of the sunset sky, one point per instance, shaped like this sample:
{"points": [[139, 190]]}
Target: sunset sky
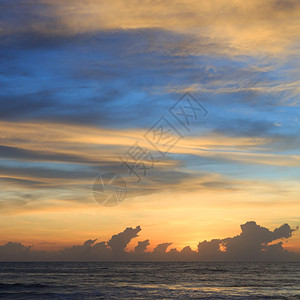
{"points": [[83, 81]]}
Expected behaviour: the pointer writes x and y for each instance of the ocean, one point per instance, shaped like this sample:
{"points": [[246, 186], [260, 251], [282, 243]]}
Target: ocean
{"points": [[167, 280]]}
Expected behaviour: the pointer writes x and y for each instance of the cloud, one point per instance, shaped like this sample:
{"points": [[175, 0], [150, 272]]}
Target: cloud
{"points": [[161, 248], [269, 26], [254, 243], [89, 251], [165, 57], [14, 251], [141, 247], [58, 164], [251, 245], [119, 242]]}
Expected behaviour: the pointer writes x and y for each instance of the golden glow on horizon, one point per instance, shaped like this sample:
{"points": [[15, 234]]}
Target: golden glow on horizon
{"points": [[192, 217]]}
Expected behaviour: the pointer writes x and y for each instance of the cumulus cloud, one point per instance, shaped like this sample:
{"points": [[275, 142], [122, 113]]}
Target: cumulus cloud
{"points": [[251, 245], [14, 251], [119, 241], [254, 243], [161, 248], [141, 246], [89, 251]]}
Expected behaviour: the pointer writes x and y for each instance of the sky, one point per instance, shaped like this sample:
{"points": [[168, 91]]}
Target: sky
{"points": [[84, 84]]}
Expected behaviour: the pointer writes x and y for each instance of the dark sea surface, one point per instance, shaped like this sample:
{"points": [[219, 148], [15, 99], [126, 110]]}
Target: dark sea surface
{"points": [[149, 280]]}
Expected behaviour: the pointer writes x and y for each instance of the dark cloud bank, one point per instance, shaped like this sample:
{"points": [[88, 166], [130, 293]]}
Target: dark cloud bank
{"points": [[254, 243]]}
